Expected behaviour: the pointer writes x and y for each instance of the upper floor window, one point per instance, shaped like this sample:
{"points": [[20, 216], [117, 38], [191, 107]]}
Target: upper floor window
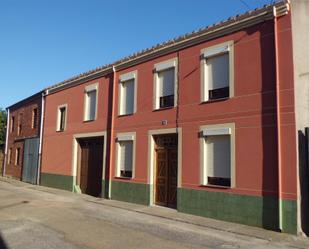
{"points": [[165, 79], [20, 124], [17, 157], [91, 95], [127, 93], [34, 122], [217, 72], [61, 117], [218, 155], [125, 155], [12, 124], [10, 156]]}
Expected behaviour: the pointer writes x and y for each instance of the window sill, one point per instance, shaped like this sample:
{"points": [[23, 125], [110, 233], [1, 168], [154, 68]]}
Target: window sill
{"points": [[59, 131], [125, 115], [88, 121], [123, 178], [214, 100], [164, 108], [215, 186]]}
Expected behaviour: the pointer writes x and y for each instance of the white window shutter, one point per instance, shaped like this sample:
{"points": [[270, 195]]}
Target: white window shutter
{"points": [[92, 102], [166, 82], [123, 98], [217, 70], [126, 155], [129, 97], [218, 156]]}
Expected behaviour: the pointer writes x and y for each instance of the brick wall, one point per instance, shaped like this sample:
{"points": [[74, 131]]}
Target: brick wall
{"points": [[1, 159], [23, 115]]}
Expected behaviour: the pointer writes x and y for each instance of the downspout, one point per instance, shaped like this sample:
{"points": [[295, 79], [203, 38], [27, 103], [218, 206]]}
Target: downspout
{"points": [[278, 119], [6, 141], [177, 101], [111, 153], [41, 137]]}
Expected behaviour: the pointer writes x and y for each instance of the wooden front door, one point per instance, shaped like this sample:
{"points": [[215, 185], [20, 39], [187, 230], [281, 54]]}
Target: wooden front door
{"points": [[91, 166], [166, 173]]}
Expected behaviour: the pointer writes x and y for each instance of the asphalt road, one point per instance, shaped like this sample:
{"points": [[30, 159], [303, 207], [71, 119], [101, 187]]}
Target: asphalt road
{"points": [[37, 217]]}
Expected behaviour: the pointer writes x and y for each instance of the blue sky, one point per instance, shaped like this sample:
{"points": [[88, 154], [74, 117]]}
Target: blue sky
{"points": [[43, 42]]}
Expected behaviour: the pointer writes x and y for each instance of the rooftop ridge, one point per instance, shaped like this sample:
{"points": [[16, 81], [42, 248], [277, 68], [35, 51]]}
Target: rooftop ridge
{"points": [[169, 43]]}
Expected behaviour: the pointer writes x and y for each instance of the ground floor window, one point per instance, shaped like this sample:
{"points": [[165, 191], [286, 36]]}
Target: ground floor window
{"points": [[217, 148], [125, 156]]}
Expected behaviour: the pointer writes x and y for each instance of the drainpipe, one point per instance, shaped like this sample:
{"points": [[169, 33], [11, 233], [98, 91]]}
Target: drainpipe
{"points": [[177, 101], [6, 140], [111, 153], [278, 118], [41, 137]]}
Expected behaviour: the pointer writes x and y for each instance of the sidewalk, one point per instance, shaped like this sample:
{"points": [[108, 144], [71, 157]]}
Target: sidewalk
{"points": [[288, 241]]}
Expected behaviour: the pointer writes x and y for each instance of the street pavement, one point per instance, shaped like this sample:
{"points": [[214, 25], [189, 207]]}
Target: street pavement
{"points": [[37, 217]]}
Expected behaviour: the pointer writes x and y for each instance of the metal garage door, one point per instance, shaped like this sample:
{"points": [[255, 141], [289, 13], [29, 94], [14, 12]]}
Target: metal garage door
{"points": [[30, 165]]}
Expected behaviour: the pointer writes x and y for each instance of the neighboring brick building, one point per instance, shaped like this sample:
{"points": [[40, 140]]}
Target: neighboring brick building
{"points": [[24, 119], [1, 158], [207, 123]]}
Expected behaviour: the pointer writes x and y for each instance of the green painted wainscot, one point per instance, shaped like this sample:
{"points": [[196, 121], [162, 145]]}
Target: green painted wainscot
{"points": [[57, 181], [138, 193], [248, 210]]}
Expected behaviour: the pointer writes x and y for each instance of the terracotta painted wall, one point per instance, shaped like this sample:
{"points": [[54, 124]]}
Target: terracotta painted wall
{"points": [[57, 146], [252, 109]]}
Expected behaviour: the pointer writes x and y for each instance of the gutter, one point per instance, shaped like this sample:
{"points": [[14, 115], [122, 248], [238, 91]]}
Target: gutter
{"points": [[111, 154], [41, 137], [277, 12], [6, 141]]}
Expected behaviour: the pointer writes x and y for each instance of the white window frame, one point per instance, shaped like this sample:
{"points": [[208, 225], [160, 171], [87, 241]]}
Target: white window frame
{"points": [[128, 136], [122, 79], [214, 130], [164, 65], [59, 117], [17, 156], [90, 88], [20, 123], [12, 125], [34, 120], [209, 52], [10, 156]]}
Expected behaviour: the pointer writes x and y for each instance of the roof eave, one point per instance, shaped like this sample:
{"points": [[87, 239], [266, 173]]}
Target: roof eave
{"points": [[262, 15]]}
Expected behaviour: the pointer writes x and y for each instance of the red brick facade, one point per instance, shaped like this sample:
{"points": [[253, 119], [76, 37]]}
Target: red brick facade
{"points": [[26, 124]]}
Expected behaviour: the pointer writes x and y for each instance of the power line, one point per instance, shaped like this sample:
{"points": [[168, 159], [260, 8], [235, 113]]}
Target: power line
{"points": [[244, 3]]}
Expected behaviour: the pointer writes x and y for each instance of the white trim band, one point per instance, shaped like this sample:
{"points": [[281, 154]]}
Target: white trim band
{"points": [[93, 87], [125, 138], [127, 76], [216, 131], [165, 65]]}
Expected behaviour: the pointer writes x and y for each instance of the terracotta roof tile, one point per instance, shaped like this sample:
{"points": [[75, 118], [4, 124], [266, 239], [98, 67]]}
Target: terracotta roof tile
{"points": [[171, 42]]}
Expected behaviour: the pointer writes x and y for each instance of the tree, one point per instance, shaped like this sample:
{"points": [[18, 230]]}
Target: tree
{"points": [[3, 117]]}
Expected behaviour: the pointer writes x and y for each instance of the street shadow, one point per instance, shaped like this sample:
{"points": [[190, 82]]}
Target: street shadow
{"points": [[270, 185], [267, 215], [14, 205], [106, 186], [303, 140], [3, 245]]}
